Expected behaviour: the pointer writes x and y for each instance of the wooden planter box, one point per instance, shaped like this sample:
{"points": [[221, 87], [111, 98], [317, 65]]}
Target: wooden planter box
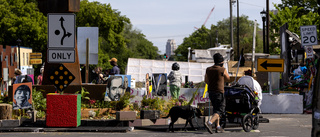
{"points": [[63, 110], [126, 115], [149, 114]]}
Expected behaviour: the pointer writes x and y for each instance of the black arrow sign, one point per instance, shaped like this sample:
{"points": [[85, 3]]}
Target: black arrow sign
{"points": [[65, 34], [265, 65]]}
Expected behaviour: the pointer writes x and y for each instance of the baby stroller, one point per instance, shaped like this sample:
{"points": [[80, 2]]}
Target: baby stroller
{"points": [[241, 107]]}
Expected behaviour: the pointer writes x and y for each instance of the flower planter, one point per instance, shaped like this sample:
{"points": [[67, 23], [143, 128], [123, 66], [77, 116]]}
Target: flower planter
{"points": [[63, 110], [149, 114], [85, 112]]}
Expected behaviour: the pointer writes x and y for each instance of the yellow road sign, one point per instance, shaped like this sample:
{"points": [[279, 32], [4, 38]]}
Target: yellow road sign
{"points": [[35, 55], [270, 65], [35, 61]]}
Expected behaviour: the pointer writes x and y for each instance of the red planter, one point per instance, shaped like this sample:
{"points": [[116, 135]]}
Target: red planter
{"points": [[63, 110]]}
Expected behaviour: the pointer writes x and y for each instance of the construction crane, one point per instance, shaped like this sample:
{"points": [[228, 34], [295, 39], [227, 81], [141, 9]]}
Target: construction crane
{"points": [[205, 24], [208, 16]]}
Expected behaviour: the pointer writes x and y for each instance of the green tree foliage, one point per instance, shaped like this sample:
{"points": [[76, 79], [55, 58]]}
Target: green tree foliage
{"points": [[200, 39], [138, 45], [116, 36], [111, 24], [20, 19], [307, 5], [291, 16]]}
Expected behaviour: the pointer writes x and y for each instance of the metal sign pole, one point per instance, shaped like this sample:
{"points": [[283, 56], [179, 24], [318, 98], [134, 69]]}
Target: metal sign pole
{"points": [[87, 60]]}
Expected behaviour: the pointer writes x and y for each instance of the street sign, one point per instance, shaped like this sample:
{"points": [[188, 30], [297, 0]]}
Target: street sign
{"points": [[35, 55], [91, 33], [308, 35], [309, 51], [61, 30], [61, 56], [270, 65], [61, 77], [35, 61]]}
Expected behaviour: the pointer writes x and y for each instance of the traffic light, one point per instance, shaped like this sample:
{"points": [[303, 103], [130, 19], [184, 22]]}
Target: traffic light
{"points": [[165, 56]]}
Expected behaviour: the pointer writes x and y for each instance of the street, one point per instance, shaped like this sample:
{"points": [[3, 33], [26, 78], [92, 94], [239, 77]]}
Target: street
{"points": [[280, 125]]}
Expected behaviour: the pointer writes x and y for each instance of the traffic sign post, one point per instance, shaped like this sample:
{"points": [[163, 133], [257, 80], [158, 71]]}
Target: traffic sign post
{"points": [[61, 77], [35, 58], [61, 30], [58, 56], [270, 65], [309, 51], [308, 35], [61, 38], [35, 55], [35, 61]]}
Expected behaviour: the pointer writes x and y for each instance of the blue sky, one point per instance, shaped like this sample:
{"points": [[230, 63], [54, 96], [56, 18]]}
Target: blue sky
{"points": [[161, 20]]}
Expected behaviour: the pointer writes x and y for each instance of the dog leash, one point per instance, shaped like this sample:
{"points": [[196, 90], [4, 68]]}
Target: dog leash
{"points": [[195, 118]]}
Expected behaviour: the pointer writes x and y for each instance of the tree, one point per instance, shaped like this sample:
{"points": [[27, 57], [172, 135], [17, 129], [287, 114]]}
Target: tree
{"points": [[20, 19], [138, 45], [200, 39], [307, 6], [111, 24], [291, 16], [117, 38]]}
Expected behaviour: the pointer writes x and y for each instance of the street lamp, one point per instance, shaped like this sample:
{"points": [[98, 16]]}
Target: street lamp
{"points": [[189, 48], [263, 14], [19, 43]]}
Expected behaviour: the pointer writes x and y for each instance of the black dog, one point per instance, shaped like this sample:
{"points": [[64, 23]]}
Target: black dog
{"points": [[185, 112]]}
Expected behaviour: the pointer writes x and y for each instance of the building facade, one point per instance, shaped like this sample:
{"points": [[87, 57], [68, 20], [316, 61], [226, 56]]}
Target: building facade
{"points": [[170, 47]]}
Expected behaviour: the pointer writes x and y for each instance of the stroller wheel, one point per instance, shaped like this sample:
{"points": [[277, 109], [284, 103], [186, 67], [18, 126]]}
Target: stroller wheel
{"points": [[247, 123], [255, 122]]}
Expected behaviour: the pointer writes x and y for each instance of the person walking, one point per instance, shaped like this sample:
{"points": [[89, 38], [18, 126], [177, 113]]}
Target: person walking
{"points": [[115, 69], [215, 77], [175, 80], [40, 77]]}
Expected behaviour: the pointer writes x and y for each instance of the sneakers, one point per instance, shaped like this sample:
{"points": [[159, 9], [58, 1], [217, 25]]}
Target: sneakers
{"points": [[208, 127], [219, 129]]}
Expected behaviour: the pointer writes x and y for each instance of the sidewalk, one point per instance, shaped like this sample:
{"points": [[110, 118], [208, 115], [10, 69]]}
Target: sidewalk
{"points": [[102, 126]]}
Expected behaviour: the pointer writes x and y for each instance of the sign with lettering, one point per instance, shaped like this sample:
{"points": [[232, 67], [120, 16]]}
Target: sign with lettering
{"points": [[35, 55], [61, 56], [309, 51], [35, 61], [308, 35]]}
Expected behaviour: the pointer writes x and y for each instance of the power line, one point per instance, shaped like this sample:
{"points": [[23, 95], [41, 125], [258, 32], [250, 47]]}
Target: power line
{"points": [[251, 4], [167, 36]]}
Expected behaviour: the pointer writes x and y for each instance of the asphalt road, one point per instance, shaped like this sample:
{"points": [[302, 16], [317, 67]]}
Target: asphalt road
{"points": [[280, 125]]}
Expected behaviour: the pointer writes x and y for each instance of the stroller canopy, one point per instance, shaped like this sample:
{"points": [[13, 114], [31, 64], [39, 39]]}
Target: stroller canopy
{"points": [[253, 84]]}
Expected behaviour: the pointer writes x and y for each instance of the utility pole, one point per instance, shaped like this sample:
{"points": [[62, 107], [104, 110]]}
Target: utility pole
{"points": [[217, 43], [238, 29], [268, 20], [231, 24]]}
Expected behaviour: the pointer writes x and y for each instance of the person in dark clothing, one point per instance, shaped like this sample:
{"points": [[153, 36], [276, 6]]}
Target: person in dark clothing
{"points": [[21, 78], [215, 77], [115, 69]]}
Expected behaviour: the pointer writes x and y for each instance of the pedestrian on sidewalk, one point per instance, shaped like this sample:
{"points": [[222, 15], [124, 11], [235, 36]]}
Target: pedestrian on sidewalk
{"points": [[115, 69], [215, 77], [175, 80]]}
